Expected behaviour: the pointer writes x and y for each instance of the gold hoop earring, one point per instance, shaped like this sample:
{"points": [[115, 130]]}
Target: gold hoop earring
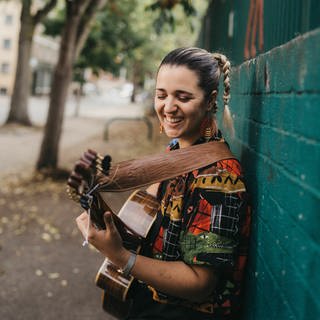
{"points": [[161, 128]]}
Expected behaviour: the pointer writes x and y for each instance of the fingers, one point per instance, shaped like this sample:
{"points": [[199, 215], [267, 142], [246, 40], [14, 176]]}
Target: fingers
{"points": [[82, 167], [82, 222], [90, 155], [108, 220], [80, 175], [74, 180]]}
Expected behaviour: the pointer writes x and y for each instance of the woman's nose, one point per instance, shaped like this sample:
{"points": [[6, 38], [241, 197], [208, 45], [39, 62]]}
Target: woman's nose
{"points": [[170, 105]]}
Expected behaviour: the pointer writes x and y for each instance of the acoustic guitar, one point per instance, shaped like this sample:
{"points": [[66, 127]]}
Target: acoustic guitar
{"points": [[93, 174], [133, 221], [137, 215]]}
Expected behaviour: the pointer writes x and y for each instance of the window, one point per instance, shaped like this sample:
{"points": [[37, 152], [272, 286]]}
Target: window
{"points": [[3, 91], [4, 68], [8, 19], [6, 43]]}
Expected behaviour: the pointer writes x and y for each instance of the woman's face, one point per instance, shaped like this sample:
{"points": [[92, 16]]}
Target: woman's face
{"points": [[179, 103]]}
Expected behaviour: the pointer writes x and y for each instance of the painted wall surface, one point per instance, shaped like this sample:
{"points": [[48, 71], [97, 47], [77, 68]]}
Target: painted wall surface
{"points": [[276, 106], [243, 29]]}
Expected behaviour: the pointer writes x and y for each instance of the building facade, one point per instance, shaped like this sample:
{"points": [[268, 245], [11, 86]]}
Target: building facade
{"points": [[43, 56], [9, 36]]}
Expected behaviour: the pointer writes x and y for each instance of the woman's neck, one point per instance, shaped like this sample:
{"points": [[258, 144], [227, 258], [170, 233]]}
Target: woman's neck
{"points": [[184, 143]]}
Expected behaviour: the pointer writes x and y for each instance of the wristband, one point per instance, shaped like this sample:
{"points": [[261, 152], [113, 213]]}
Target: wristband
{"points": [[128, 267]]}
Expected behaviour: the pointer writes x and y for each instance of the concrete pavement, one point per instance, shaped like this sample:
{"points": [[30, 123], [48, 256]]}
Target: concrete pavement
{"points": [[20, 146]]}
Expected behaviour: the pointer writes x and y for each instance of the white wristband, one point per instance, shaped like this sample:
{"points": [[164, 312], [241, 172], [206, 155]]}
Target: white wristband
{"points": [[128, 267]]}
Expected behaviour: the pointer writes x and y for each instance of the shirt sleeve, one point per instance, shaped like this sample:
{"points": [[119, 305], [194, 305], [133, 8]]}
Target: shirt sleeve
{"points": [[215, 218]]}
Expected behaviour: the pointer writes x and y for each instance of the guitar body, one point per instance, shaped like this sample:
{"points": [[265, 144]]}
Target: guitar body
{"points": [[134, 222]]}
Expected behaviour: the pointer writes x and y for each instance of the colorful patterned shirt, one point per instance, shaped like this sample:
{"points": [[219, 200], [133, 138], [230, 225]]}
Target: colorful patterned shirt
{"points": [[206, 222]]}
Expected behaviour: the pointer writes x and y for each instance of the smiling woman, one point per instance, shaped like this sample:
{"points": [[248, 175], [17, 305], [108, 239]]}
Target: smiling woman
{"points": [[192, 266]]}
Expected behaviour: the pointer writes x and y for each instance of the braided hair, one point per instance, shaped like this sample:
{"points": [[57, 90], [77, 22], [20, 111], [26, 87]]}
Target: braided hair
{"points": [[208, 68]]}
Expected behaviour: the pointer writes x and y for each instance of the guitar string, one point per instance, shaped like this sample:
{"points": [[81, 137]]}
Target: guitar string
{"points": [[111, 179], [86, 242]]}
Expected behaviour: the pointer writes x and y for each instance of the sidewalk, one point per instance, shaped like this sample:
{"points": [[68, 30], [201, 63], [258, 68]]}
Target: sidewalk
{"points": [[20, 146]]}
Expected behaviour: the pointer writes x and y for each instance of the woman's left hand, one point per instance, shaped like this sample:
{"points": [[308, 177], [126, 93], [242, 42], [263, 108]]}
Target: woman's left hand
{"points": [[107, 241]]}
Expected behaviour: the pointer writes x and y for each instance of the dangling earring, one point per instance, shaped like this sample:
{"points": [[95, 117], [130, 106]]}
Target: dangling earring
{"points": [[207, 127], [161, 128]]}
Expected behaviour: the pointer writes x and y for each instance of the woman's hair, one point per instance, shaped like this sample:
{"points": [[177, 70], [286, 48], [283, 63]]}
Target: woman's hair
{"points": [[208, 67]]}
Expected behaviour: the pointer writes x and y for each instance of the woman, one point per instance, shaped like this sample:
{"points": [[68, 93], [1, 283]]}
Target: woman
{"points": [[196, 265]]}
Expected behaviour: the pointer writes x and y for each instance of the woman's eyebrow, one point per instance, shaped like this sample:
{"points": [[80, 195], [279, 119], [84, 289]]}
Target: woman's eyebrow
{"points": [[177, 92], [184, 92]]}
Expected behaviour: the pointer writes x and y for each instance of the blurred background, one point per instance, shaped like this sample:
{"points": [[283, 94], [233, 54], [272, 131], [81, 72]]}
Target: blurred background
{"points": [[80, 74]]}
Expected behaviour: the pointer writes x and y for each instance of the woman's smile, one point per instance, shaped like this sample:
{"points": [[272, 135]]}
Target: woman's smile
{"points": [[172, 120]]}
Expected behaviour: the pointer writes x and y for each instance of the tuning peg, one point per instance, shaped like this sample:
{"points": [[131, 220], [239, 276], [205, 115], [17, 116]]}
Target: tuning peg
{"points": [[72, 194], [99, 157], [99, 167], [106, 163]]}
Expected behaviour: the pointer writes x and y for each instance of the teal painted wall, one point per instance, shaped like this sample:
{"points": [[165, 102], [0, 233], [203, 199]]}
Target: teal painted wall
{"points": [[282, 21], [276, 107]]}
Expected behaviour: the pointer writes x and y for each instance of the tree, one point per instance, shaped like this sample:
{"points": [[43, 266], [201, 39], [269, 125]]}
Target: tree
{"points": [[78, 19], [19, 100], [166, 15], [136, 48]]}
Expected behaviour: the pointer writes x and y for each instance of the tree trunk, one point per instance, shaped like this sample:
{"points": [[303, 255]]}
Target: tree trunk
{"points": [[19, 100], [59, 92], [78, 96], [21, 89], [136, 78], [75, 27]]}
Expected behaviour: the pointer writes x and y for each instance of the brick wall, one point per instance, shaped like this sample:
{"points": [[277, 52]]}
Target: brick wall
{"points": [[276, 104]]}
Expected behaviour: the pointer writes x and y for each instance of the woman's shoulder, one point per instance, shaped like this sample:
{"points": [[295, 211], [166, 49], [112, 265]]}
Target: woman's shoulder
{"points": [[230, 166], [224, 176]]}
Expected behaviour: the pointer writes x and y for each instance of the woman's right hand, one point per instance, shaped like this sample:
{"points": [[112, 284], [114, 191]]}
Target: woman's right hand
{"points": [[107, 241]]}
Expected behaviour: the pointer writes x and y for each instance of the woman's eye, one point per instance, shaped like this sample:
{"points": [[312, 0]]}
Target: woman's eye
{"points": [[161, 97], [183, 98]]}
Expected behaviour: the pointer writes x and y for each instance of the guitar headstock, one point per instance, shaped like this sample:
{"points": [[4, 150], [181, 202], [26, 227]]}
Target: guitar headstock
{"points": [[82, 176]]}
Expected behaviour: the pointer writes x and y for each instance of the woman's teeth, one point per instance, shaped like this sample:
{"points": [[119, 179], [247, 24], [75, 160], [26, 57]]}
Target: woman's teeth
{"points": [[173, 120]]}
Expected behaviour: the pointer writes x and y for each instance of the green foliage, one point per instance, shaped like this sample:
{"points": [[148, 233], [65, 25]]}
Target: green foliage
{"points": [[120, 37], [166, 16], [111, 39], [53, 25]]}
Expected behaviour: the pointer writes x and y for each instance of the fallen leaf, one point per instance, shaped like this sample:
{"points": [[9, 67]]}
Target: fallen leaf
{"points": [[46, 237], [39, 272], [4, 220], [54, 275], [64, 283], [75, 270]]}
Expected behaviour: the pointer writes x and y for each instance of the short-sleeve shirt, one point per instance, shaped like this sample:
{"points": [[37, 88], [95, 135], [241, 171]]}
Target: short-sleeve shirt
{"points": [[206, 222]]}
